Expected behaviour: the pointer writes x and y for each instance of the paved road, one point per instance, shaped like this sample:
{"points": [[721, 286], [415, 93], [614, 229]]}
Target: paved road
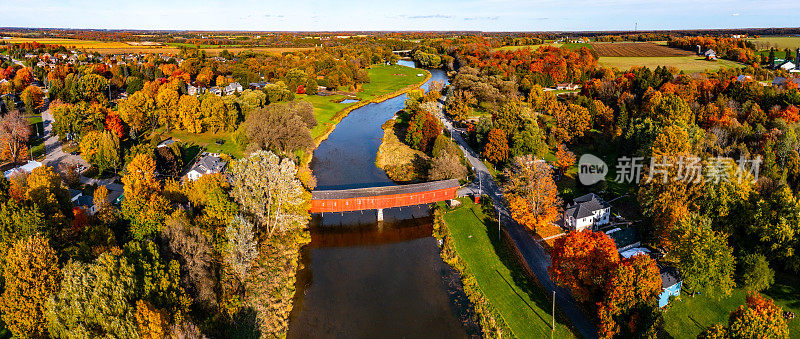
{"points": [[54, 155], [537, 259]]}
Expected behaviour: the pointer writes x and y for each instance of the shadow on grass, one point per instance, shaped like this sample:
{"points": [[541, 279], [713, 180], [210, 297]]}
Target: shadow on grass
{"points": [[509, 260]]}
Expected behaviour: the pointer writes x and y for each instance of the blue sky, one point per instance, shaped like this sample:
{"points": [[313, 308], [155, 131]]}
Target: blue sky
{"points": [[484, 15]]}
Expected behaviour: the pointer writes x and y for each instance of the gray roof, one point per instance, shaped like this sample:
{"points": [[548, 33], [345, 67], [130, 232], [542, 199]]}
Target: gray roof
{"points": [[585, 205], [669, 276], [86, 200], [384, 190], [209, 164]]}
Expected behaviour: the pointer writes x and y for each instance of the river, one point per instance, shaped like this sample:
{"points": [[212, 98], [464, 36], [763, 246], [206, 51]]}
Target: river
{"points": [[363, 279]]}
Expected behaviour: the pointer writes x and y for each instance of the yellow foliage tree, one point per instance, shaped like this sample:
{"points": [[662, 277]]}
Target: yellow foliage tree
{"points": [[150, 321], [31, 276]]}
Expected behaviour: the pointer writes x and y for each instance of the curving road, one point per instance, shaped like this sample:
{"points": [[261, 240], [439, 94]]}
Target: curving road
{"points": [[535, 256]]}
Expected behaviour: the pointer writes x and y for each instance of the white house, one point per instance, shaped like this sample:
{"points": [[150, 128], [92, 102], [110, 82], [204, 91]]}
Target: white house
{"points": [[27, 168], [587, 212], [208, 163], [232, 88]]}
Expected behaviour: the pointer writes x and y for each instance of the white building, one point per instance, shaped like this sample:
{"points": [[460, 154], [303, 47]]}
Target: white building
{"points": [[587, 212], [208, 163], [27, 168]]}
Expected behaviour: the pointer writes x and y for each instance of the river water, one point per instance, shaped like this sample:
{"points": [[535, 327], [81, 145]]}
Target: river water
{"points": [[370, 280]]}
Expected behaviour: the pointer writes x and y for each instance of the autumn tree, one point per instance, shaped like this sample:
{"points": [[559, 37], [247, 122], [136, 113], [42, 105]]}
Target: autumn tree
{"points": [[564, 158], [704, 257], [422, 130], [758, 318], [143, 206], [95, 300], [267, 190], [196, 256], [33, 97], [210, 192], [447, 166], [240, 248], [151, 322], [93, 87], [189, 114], [167, 101], [532, 194], [630, 299], [496, 148], [113, 124], [756, 275], [281, 128], [101, 149], [14, 134], [31, 275], [157, 279], [138, 112], [571, 121], [46, 190], [584, 262]]}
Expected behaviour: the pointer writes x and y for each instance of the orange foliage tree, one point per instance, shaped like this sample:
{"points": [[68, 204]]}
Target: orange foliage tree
{"points": [[633, 288], [532, 194], [564, 158], [584, 262], [496, 148]]}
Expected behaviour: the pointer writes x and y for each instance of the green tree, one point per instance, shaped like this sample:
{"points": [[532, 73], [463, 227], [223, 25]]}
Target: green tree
{"points": [[755, 272], [93, 87], [704, 257], [157, 280], [240, 247], [95, 300], [267, 189], [31, 276]]}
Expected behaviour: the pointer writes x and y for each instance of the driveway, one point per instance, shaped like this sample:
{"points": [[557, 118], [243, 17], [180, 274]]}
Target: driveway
{"points": [[54, 155], [535, 256]]}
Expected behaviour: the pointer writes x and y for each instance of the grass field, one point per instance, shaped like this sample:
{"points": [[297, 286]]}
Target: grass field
{"points": [[689, 316], [792, 42], [523, 304], [637, 49], [383, 79], [689, 64]]}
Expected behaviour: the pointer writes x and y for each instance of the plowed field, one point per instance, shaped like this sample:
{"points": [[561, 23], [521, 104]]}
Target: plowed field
{"points": [[637, 49]]}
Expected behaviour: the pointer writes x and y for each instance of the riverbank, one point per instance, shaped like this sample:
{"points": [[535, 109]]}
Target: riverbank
{"points": [[401, 162], [506, 300], [383, 78]]}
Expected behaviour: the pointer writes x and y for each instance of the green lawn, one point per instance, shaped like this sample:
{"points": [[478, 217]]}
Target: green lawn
{"points": [[689, 316], [689, 64], [208, 141], [522, 303], [383, 79]]}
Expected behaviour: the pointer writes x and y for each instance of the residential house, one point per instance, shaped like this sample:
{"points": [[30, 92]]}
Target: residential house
{"points": [[258, 85], [191, 90], [27, 168], [710, 54], [87, 203], [671, 284], [744, 78], [567, 86], [74, 195], [781, 81], [215, 90], [587, 212], [232, 88], [208, 163]]}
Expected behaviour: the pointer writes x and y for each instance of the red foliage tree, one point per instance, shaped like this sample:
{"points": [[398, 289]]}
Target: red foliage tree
{"points": [[584, 262], [114, 124], [301, 89]]}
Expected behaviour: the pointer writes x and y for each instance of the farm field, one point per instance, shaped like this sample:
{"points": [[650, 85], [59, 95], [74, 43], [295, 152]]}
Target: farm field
{"points": [[689, 64], [568, 45], [637, 49], [784, 42]]}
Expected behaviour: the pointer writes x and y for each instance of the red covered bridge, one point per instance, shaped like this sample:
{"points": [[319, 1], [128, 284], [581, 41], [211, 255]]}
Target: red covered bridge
{"points": [[378, 198]]}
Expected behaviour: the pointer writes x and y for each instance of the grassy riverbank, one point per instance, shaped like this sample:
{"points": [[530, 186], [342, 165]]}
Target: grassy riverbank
{"points": [[401, 162], [504, 297], [385, 82]]}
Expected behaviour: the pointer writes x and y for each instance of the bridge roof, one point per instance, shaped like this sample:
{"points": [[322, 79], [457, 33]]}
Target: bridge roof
{"points": [[384, 190]]}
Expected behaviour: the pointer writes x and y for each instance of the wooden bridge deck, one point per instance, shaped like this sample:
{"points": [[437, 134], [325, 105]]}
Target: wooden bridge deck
{"points": [[378, 198]]}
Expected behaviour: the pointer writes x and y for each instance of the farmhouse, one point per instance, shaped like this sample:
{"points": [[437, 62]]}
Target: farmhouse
{"points": [[587, 212], [208, 163], [710, 54], [232, 88]]}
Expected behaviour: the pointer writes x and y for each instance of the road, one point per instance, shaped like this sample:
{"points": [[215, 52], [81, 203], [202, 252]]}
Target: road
{"points": [[535, 256], [54, 155]]}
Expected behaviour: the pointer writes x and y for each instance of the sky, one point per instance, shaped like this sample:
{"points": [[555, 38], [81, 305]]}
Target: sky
{"points": [[409, 15]]}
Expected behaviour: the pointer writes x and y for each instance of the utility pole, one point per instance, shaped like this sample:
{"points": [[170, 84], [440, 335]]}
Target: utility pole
{"points": [[554, 315], [498, 223]]}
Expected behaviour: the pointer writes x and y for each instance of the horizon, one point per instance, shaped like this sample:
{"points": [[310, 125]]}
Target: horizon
{"points": [[372, 16]]}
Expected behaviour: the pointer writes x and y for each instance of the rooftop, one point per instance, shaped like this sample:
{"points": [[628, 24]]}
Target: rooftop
{"points": [[384, 190], [585, 205]]}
